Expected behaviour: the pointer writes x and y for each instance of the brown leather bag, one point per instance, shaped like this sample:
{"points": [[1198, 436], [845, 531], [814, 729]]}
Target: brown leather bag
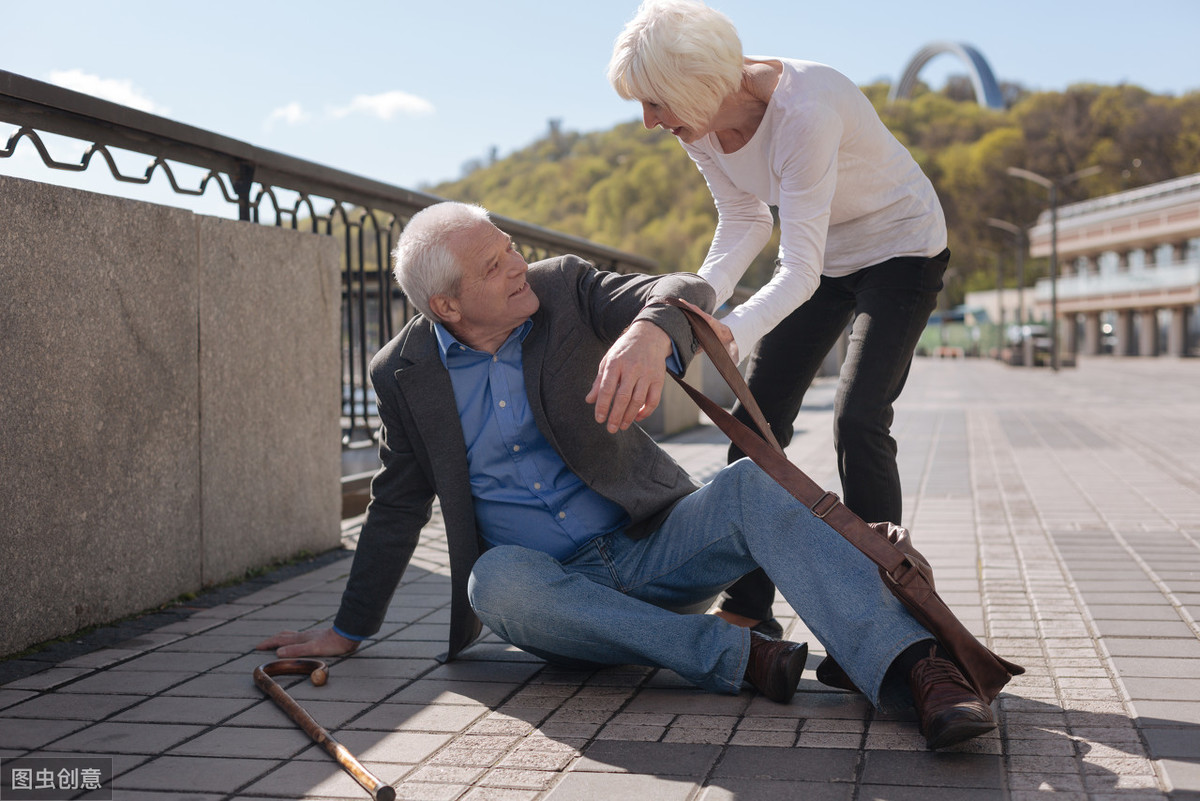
{"points": [[904, 570]]}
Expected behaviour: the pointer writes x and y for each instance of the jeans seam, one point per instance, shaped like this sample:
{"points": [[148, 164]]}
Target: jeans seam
{"points": [[602, 549]]}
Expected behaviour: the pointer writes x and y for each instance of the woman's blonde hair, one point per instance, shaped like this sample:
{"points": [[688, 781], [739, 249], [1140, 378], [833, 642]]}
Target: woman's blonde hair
{"points": [[680, 54]]}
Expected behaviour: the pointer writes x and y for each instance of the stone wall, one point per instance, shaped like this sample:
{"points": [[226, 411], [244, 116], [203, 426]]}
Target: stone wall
{"points": [[170, 404]]}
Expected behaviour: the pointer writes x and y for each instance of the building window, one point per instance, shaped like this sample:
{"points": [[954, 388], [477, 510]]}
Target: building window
{"points": [[1193, 249], [1164, 255], [1136, 260], [1110, 263]]}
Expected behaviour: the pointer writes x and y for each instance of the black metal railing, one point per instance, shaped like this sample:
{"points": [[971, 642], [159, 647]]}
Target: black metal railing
{"points": [[272, 188]]}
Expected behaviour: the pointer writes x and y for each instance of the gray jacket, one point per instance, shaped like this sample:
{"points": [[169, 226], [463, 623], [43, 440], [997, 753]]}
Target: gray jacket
{"points": [[583, 310]]}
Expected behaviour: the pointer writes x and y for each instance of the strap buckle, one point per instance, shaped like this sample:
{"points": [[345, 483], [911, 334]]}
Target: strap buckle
{"points": [[833, 500], [902, 573]]}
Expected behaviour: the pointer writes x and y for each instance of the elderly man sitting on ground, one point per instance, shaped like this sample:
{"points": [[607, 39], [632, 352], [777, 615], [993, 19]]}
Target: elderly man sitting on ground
{"points": [[512, 398]]}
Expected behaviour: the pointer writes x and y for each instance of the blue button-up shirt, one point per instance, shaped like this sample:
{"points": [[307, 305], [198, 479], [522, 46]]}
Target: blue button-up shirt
{"points": [[524, 493]]}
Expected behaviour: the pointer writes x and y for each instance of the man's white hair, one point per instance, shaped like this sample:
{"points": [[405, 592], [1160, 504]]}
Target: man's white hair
{"points": [[679, 54], [425, 265]]}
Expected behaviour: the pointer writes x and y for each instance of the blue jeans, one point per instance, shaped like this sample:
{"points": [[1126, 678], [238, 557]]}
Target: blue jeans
{"points": [[611, 603]]}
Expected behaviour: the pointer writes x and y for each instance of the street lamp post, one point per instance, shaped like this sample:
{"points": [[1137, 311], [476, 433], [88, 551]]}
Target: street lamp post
{"points": [[1053, 187], [1019, 235]]}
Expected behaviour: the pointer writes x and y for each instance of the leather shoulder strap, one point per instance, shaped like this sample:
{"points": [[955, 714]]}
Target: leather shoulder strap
{"points": [[763, 448]]}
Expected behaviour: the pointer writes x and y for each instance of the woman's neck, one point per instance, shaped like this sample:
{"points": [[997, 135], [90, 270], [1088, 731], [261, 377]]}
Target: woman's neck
{"points": [[741, 113]]}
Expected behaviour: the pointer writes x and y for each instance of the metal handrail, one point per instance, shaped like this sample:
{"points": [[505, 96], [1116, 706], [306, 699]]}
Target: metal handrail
{"points": [[366, 214]]}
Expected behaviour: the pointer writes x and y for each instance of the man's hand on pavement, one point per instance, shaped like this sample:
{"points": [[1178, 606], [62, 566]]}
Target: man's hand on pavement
{"points": [[629, 383], [314, 642]]}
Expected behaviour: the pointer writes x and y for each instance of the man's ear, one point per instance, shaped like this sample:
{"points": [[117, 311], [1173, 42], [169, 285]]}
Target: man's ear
{"points": [[445, 308]]}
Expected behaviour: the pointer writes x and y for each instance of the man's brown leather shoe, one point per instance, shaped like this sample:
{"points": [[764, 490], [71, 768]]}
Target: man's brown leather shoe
{"points": [[949, 709], [775, 666]]}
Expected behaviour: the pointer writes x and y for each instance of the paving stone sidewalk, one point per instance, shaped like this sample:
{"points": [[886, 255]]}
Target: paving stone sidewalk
{"points": [[1061, 513]]}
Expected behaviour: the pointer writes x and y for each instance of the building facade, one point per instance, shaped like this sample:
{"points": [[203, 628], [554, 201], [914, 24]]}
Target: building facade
{"points": [[1129, 271]]}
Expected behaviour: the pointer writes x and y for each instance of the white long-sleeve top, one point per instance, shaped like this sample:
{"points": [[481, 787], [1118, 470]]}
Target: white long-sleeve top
{"points": [[849, 196]]}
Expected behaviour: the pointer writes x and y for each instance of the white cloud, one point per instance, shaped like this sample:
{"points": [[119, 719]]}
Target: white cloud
{"points": [[385, 106], [293, 114], [112, 89]]}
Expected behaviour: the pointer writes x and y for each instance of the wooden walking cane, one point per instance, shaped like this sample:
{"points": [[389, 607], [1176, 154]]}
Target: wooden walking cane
{"points": [[318, 673]]}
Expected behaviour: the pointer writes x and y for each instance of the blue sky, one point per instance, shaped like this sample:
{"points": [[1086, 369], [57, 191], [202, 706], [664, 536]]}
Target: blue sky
{"points": [[408, 91]]}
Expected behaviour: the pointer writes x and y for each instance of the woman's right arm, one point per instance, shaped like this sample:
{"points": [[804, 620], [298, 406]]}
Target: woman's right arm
{"points": [[744, 225]]}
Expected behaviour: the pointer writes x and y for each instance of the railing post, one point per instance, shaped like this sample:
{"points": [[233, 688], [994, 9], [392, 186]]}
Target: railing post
{"points": [[243, 182]]}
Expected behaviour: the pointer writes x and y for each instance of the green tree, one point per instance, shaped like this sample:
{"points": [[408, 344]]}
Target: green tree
{"points": [[637, 190]]}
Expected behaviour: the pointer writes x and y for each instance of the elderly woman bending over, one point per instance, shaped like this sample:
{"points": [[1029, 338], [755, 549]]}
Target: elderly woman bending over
{"points": [[862, 235]]}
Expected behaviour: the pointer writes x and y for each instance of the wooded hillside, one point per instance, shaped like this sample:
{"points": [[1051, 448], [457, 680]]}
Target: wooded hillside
{"points": [[637, 190]]}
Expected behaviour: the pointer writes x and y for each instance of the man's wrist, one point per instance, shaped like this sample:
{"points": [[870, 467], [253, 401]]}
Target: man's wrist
{"points": [[351, 637], [655, 335]]}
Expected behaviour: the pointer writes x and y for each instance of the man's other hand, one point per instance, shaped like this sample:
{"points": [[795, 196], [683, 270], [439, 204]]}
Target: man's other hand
{"points": [[314, 642], [629, 383], [722, 331]]}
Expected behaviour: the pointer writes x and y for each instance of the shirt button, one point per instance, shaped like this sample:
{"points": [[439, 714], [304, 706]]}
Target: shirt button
{"points": [[562, 515], [537, 485], [516, 448], [503, 404], [495, 358]]}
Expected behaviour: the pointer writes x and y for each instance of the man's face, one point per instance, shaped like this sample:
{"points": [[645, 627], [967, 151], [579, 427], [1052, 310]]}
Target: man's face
{"points": [[493, 296]]}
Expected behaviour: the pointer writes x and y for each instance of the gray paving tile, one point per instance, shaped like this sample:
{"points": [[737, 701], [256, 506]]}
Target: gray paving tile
{"points": [[429, 691], [408, 748], [28, 734], [417, 717], [47, 679], [69, 705], [209, 642], [1182, 742], [1143, 628], [104, 657], [1157, 667], [502, 672], [126, 682], [172, 709], [596, 786], [236, 742], [1118, 612], [659, 759], [202, 774], [122, 763], [402, 649], [383, 669], [267, 714], [321, 780], [157, 795], [243, 664], [1163, 689], [893, 793], [1167, 647], [1166, 713], [798, 764], [10, 697], [931, 769], [174, 661], [216, 685], [127, 738], [1183, 778]]}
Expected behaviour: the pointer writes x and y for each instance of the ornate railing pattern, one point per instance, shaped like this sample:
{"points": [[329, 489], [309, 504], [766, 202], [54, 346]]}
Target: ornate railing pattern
{"points": [[272, 188]]}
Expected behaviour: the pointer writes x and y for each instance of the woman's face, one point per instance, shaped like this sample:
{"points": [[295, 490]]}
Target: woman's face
{"points": [[654, 115]]}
